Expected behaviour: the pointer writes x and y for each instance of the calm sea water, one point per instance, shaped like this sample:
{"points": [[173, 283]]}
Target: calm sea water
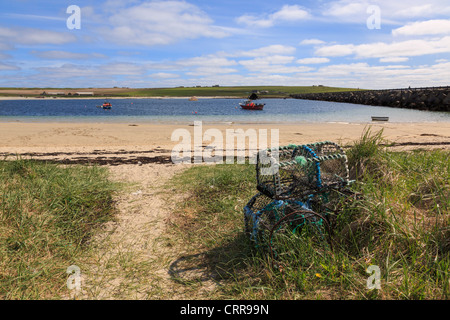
{"points": [[207, 110]]}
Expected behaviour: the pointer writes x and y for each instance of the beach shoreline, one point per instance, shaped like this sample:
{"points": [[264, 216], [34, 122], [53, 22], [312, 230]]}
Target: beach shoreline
{"points": [[48, 137]]}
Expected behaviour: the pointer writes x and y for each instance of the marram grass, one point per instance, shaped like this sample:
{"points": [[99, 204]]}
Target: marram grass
{"points": [[47, 215]]}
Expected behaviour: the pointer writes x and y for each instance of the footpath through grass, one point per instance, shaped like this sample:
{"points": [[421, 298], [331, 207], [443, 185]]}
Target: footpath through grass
{"points": [[401, 225], [47, 215]]}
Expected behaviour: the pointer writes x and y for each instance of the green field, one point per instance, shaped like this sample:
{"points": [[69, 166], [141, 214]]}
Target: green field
{"points": [[237, 92], [267, 91]]}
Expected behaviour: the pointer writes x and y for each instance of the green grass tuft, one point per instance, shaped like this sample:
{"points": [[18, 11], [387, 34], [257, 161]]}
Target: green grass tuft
{"points": [[47, 215]]}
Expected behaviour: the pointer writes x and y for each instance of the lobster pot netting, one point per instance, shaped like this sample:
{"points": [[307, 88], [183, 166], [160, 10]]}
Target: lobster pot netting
{"points": [[279, 175], [333, 163], [301, 169], [266, 218]]}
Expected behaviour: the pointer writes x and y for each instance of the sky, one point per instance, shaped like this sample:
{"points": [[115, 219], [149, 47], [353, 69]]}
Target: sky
{"points": [[374, 44]]}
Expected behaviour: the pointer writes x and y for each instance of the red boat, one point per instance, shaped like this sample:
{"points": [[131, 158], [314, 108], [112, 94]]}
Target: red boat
{"points": [[250, 105], [106, 105]]}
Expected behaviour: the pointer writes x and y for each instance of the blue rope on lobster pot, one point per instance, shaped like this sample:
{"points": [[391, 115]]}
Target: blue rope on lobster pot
{"points": [[295, 184], [264, 217]]}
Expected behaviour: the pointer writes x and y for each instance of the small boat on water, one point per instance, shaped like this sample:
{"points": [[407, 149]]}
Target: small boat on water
{"points": [[194, 98], [380, 118], [249, 104], [106, 105]]}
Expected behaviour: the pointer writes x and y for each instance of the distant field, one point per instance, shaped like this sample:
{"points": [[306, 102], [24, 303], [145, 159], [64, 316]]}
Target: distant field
{"points": [[239, 92]]}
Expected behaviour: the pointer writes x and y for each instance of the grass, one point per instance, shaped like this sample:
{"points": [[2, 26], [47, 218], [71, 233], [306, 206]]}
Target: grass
{"points": [[401, 224], [47, 215], [241, 91], [237, 91]]}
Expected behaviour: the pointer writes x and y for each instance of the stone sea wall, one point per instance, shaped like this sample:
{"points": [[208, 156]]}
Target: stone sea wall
{"points": [[431, 99]]}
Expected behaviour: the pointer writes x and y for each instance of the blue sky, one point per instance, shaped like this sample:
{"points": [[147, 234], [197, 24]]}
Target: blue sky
{"points": [[144, 44]]}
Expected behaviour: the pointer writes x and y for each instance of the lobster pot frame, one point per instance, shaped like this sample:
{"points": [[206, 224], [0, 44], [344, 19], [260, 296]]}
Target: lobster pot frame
{"points": [[301, 170], [333, 163], [257, 217], [278, 175], [265, 217]]}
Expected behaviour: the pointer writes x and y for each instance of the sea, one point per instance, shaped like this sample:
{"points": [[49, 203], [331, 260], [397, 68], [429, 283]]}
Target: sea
{"points": [[217, 110]]}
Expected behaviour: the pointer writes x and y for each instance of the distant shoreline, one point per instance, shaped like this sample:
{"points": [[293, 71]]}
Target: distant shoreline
{"points": [[214, 92], [116, 98]]}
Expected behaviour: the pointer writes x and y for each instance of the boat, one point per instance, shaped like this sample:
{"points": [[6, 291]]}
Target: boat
{"points": [[249, 104], [380, 118], [193, 98], [106, 105]]}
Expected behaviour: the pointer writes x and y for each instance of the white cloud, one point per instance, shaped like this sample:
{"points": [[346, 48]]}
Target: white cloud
{"points": [[394, 59], [208, 60], [275, 59], [275, 49], [34, 17], [65, 55], [164, 75], [364, 75], [210, 71], [288, 13], [336, 50], [121, 68], [8, 67], [160, 23], [311, 42], [313, 60], [197, 66], [70, 70], [346, 8], [5, 56], [430, 27], [416, 11], [30, 36], [273, 65], [394, 12], [383, 50], [253, 21], [5, 47]]}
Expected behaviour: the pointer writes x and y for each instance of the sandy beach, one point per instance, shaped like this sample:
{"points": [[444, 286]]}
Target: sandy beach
{"points": [[21, 137]]}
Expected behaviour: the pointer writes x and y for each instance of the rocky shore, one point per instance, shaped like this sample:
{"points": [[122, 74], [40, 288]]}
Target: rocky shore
{"points": [[431, 99]]}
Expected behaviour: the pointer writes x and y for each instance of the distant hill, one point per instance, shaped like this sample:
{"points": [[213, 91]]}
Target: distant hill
{"points": [[214, 91]]}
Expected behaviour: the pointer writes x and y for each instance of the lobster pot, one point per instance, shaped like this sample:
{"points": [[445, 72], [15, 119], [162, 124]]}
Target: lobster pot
{"points": [[264, 217], [298, 170], [258, 216], [333, 163], [282, 172]]}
